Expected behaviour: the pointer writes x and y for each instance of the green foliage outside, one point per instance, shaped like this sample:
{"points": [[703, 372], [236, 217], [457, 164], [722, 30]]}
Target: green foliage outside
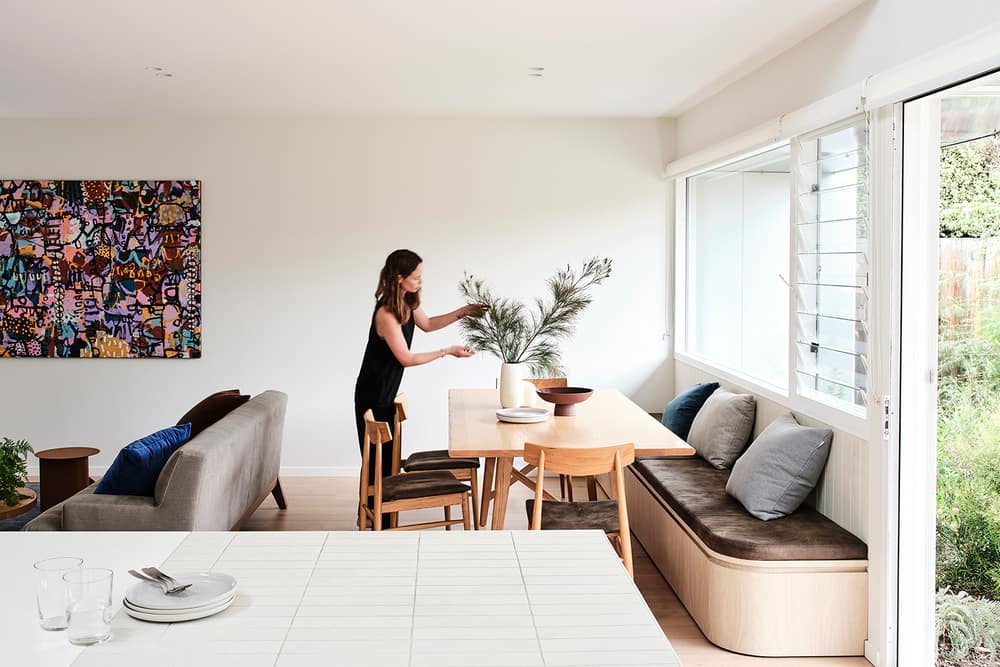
{"points": [[967, 626], [970, 189], [13, 469], [514, 334], [968, 490]]}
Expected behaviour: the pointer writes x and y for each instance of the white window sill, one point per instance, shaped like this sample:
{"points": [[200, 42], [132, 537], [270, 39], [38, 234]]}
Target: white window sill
{"points": [[852, 422]]}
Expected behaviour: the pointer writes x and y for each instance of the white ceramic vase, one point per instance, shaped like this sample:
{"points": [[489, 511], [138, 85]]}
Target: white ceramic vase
{"points": [[511, 381]]}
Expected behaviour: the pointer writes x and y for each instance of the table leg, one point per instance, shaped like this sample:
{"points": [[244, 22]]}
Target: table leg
{"points": [[505, 467], [491, 464], [61, 478]]}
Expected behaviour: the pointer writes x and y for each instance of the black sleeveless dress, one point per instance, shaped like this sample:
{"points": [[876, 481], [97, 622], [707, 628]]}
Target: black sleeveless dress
{"points": [[377, 386]]}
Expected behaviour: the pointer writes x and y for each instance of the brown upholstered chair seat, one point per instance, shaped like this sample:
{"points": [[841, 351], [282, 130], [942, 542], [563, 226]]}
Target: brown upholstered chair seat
{"points": [[594, 515], [436, 459], [420, 485], [697, 493]]}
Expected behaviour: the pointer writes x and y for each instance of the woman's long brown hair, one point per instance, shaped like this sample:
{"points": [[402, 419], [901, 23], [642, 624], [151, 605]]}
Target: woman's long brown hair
{"points": [[389, 294]]}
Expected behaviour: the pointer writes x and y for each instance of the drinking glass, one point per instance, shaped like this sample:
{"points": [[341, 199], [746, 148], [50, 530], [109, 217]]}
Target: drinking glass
{"points": [[51, 592], [89, 611]]}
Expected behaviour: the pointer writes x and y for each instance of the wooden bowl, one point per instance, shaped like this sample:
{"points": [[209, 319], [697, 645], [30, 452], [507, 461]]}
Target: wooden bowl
{"points": [[565, 398]]}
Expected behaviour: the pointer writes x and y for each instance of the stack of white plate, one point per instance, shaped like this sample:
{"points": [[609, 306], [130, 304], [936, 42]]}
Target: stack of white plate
{"points": [[209, 593], [523, 415]]}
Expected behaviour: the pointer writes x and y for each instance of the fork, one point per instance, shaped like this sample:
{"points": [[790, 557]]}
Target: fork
{"points": [[168, 589], [176, 587]]}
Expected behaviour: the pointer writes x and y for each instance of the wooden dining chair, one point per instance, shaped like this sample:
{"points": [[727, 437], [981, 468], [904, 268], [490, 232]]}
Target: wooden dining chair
{"points": [[611, 516], [405, 491], [565, 481], [464, 469]]}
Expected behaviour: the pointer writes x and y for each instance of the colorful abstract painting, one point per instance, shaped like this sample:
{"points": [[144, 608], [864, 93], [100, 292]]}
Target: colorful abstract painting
{"points": [[100, 269]]}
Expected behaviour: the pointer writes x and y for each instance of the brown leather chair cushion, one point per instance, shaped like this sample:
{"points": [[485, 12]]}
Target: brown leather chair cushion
{"points": [[593, 515], [697, 493], [213, 408], [437, 459], [421, 485]]}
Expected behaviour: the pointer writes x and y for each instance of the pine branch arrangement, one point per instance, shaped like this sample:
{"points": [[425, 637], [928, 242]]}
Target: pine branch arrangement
{"points": [[13, 469], [514, 334]]}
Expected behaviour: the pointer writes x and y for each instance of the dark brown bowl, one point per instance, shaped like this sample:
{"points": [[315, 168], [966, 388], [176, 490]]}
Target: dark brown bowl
{"points": [[565, 398]]}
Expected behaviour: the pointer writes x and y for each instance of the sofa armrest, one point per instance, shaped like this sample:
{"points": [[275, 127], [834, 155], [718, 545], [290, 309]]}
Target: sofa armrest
{"points": [[50, 519], [87, 511]]}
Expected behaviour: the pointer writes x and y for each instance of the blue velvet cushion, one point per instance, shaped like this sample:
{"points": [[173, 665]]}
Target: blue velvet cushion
{"points": [[680, 412], [135, 469]]}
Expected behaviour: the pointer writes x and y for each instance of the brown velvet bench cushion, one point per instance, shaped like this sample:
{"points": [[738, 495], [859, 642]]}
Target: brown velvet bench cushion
{"points": [[697, 493], [421, 485]]}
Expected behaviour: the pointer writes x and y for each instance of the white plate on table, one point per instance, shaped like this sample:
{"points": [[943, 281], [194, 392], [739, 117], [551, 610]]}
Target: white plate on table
{"points": [[523, 415], [177, 616], [207, 589]]}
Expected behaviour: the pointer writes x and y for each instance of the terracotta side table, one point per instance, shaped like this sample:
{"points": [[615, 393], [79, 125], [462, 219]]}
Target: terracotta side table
{"points": [[24, 505], [62, 472]]}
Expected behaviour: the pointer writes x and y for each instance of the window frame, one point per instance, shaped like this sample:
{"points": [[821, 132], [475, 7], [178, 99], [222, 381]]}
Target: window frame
{"points": [[850, 419]]}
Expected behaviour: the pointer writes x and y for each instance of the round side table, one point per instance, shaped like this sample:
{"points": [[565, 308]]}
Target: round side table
{"points": [[25, 504], [62, 472]]}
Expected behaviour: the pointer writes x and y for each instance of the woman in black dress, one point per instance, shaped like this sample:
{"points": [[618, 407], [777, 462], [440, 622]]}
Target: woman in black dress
{"points": [[397, 310]]}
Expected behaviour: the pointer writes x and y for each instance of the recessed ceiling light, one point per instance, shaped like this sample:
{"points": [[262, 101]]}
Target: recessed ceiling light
{"points": [[158, 71], [536, 71]]}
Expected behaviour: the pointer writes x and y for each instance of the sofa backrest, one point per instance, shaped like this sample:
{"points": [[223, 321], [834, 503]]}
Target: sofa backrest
{"points": [[219, 475]]}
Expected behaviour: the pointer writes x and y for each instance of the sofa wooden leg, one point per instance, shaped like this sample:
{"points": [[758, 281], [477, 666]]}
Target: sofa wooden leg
{"points": [[279, 497]]}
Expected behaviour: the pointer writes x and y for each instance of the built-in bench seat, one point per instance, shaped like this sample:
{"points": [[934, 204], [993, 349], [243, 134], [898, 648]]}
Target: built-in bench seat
{"points": [[795, 586], [696, 491]]}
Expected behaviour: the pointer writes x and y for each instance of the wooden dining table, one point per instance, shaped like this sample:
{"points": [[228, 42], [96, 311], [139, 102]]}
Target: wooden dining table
{"points": [[608, 417]]}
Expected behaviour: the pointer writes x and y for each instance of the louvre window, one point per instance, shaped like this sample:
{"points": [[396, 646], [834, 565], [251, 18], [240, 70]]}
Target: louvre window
{"points": [[831, 267]]}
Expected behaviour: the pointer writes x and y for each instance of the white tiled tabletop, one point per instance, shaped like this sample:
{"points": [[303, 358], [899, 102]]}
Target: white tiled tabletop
{"points": [[427, 599]]}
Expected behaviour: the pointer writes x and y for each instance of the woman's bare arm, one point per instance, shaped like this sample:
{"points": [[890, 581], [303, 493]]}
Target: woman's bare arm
{"points": [[426, 323], [389, 328]]}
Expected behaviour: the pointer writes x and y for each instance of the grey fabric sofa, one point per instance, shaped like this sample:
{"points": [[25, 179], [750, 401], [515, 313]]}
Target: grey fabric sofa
{"points": [[213, 482]]}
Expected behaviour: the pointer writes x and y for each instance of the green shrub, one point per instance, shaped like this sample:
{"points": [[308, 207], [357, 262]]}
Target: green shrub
{"points": [[968, 490], [970, 189], [965, 624], [13, 469]]}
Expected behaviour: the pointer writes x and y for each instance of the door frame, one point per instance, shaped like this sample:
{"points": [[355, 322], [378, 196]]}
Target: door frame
{"points": [[915, 380]]}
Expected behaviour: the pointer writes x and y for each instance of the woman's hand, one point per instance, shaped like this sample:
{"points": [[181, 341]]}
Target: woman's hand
{"points": [[474, 310], [459, 351]]}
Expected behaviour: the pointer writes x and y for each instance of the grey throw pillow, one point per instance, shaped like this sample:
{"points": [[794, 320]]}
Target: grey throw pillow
{"points": [[780, 469], [722, 428]]}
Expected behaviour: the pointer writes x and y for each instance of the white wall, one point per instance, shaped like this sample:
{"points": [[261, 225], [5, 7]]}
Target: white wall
{"points": [[298, 217], [876, 36]]}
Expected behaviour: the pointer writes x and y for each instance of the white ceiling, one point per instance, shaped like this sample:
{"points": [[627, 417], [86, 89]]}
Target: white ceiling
{"points": [[641, 58]]}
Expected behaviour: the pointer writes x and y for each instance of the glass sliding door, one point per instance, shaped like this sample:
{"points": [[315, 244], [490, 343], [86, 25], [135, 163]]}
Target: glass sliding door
{"points": [[949, 455]]}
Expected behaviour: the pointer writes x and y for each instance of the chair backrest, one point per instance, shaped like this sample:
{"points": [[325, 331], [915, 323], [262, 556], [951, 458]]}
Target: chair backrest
{"points": [[546, 383], [578, 460], [402, 408], [376, 433]]}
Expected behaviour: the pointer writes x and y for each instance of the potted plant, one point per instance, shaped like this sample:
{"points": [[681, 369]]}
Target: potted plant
{"points": [[528, 340], [13, 470]]}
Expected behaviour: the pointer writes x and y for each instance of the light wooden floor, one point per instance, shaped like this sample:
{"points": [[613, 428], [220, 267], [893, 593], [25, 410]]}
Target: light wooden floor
{"points": [[329, 503]]}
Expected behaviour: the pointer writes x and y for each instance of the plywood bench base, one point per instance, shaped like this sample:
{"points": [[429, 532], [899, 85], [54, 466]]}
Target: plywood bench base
{"points": [[764, 608]]}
